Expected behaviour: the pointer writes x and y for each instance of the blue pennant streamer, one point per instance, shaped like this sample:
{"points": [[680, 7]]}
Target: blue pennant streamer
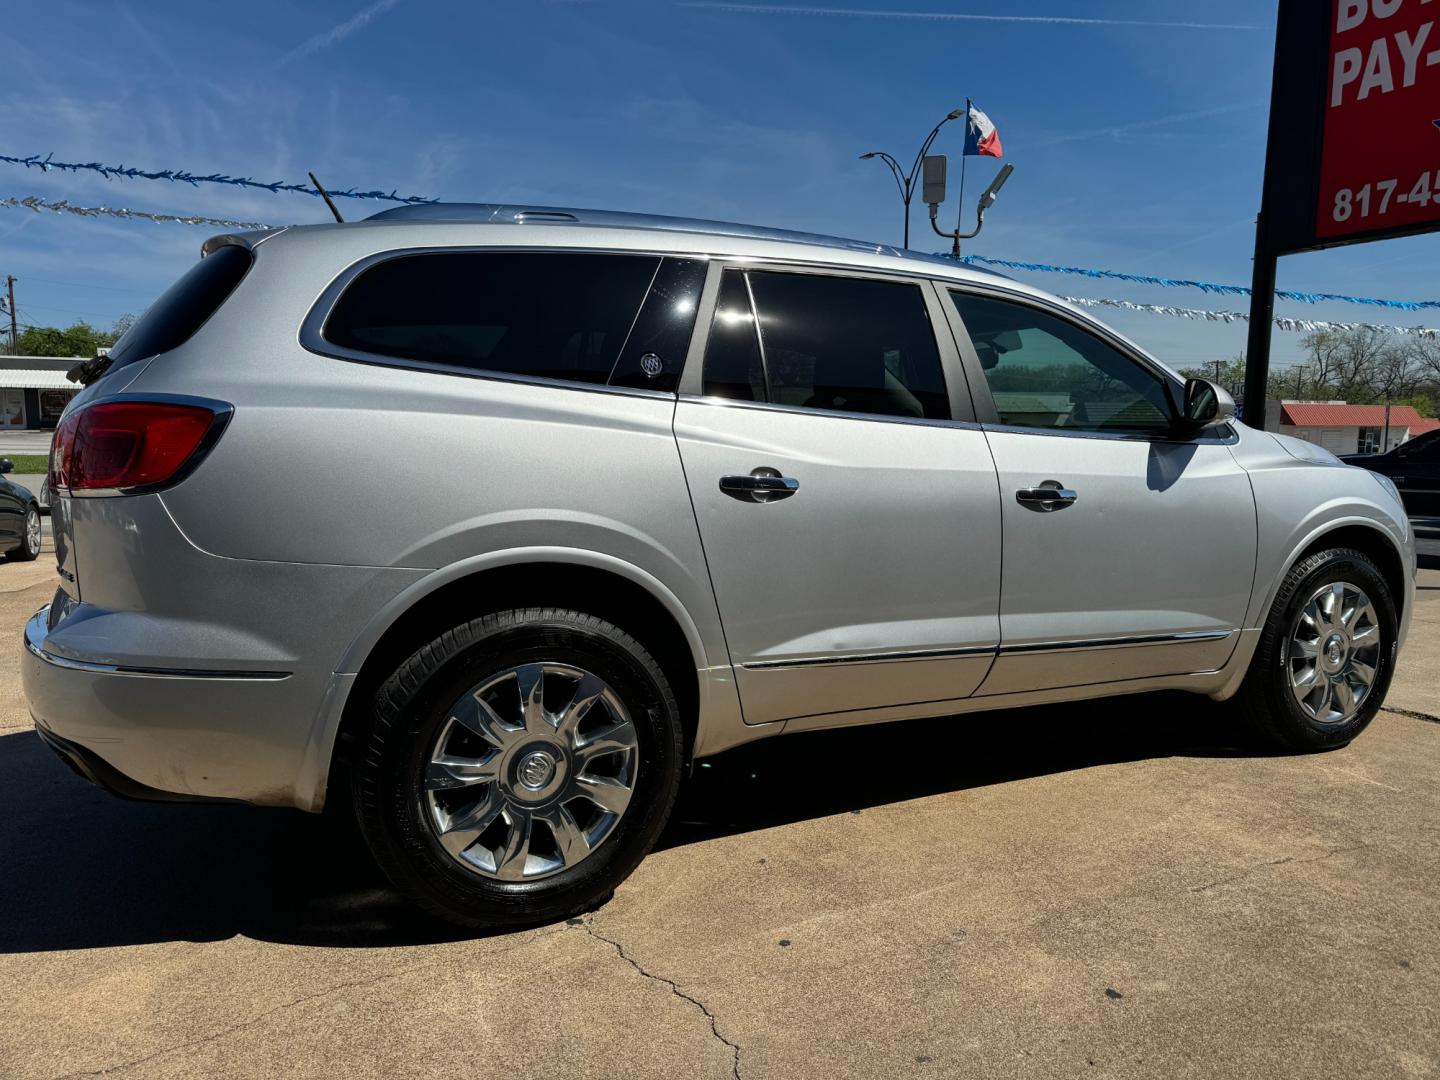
{"points": [[1203, 286], [45, 164]]}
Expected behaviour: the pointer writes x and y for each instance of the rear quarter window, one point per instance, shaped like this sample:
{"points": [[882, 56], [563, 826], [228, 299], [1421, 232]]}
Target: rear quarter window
{"points": [[566, 316], [183, 308]]}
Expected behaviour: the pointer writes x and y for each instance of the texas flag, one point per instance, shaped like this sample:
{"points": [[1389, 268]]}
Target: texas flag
{"points": [[981, 138]]}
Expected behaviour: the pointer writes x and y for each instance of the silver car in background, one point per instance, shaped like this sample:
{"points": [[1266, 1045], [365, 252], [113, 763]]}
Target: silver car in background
{"points": [[668, 486]]}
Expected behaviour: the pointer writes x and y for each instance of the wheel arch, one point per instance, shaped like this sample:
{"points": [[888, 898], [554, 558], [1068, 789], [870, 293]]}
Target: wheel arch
{"points": [[1364, 536], [614, 590]]}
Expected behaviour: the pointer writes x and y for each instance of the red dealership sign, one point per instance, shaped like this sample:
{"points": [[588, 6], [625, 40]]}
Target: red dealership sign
{"points": [[1380, 148]]}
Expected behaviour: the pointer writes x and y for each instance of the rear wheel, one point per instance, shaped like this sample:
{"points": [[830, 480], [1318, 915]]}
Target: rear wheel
{"points": [[1326, 653], [29, 549], [519, 767]]}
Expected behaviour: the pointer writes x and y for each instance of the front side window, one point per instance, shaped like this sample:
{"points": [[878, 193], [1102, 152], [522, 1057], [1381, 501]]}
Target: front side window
{"points": [[831, 343], [1425, 448], [1045, 372], [550, 315]]}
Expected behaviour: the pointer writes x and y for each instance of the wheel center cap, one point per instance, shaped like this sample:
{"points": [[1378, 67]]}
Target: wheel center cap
{"points": [[536, 770], [1335, 651]]}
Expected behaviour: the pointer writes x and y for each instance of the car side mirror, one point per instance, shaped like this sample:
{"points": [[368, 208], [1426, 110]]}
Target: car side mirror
{"points": [[6, 465], [1206, 404]]}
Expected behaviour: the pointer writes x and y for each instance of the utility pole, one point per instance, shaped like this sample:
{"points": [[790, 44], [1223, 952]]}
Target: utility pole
{"points": [[1217, 371], [14, 332]]}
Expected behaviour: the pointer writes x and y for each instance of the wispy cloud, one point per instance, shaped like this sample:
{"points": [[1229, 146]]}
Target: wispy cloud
{"points": [[1116, 130], [337, 34], [952, 16]]}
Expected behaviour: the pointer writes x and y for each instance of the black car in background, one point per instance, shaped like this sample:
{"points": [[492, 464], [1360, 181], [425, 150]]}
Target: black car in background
{"points": [[19, 518], [1414, 467]]}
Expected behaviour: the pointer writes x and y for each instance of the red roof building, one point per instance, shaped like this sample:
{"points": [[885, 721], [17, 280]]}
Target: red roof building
{"points": [[1352, 429]]}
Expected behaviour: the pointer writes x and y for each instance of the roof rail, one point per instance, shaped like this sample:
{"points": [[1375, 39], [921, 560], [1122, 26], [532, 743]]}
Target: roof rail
{"points": [[515, 214]]}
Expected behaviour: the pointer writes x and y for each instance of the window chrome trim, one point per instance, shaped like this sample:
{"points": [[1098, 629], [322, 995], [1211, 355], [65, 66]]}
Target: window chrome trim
{"points": [[870, 658], [801, 410], [1230, 438], [1117, 642], [35, 631]]}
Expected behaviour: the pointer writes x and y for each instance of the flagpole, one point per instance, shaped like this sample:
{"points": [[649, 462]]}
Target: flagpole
{"points": [[964, 157]]}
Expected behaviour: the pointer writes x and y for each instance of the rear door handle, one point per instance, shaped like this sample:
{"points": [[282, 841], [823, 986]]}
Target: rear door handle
{"points": [[1046, 497], [762, 485]]}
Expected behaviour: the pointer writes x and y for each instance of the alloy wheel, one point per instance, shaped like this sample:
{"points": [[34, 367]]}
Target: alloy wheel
{"points": [[32, 531], [1334, 653], [531, 771]]}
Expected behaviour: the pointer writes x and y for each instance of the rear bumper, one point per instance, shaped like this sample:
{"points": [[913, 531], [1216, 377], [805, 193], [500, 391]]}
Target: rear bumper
{"points": [[165, 734], [89, 765]]}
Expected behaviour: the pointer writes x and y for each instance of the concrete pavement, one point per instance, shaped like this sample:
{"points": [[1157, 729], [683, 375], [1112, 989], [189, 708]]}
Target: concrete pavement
{"points": [[1112, 890]]}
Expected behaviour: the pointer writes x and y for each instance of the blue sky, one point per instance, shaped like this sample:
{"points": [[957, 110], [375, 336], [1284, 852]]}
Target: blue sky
{"points": [[1137, 147]]}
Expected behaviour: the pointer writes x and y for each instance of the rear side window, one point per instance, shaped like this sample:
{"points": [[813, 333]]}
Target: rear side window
{"points": [[831, 343], [554, 316], [183, 308]]}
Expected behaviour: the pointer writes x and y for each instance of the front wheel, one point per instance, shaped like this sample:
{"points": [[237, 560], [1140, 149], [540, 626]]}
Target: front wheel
{"points": [[1326, 653], [518, 768]]}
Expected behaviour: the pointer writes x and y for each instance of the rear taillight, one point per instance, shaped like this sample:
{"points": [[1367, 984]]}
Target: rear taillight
{"points": [[127, 445]]}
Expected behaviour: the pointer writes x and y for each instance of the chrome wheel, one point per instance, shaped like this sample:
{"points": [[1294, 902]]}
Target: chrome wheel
{"points": [[32, 531], [1334, 653], [531, 772]]}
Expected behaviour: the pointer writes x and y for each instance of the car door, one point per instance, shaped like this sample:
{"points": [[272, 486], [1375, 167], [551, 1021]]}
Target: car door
{"points": [[12, 513], [1415, 468], [846, 503], [1129, 551]]}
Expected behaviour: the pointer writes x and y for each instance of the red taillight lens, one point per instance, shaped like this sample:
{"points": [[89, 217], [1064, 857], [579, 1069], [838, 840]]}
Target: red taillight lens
{"points": [[126, 444]]}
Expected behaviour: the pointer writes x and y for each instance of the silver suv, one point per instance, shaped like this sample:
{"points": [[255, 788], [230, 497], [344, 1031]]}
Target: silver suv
{"points": [[494, 519]]}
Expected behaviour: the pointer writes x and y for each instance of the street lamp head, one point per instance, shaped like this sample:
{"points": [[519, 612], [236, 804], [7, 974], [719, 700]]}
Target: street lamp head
{"points": [[955, 114], [867, 157]]}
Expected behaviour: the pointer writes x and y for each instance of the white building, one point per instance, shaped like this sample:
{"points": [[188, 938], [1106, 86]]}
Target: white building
{"points": [[34, 390], [1352, 429]]}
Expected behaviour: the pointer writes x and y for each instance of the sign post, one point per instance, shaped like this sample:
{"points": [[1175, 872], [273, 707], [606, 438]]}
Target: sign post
{"points": [[1353, 152]]}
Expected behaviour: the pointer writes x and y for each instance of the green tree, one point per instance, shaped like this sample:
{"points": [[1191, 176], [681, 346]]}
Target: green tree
{"points": [[80, 339]]}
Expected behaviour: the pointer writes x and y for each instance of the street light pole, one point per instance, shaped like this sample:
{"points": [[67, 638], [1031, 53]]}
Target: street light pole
{"points": [[906, 181]]}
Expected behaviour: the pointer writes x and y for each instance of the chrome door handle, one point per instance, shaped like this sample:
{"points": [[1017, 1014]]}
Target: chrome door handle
{"points": [[1046, 497], [762, 485]]}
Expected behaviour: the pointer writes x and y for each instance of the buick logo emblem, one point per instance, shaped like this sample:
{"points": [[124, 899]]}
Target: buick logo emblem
{"points": [[651, 364]]}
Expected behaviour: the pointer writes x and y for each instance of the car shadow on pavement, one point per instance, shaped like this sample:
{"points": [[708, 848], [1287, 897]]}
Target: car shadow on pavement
{"points": [[80, 869]]}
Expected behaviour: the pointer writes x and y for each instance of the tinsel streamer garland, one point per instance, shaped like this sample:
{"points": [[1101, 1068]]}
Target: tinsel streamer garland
{"points": [[63, 207], [1303, 326], [181, 176], [1204, 286]]}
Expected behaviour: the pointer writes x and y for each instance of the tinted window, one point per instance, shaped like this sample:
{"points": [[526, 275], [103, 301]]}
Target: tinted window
{"points": [[655, 352], [1048, 373], [170, 321], [550, 315], [732, 353], [846, 344], [1424, 448]]}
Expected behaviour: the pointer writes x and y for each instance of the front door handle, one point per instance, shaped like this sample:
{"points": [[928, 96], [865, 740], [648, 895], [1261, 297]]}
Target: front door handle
{"points": [[1046, 497], [762, 485]]}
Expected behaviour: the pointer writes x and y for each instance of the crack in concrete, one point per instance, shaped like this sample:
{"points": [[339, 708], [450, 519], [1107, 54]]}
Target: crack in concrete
{"points": [[1413, 714], [1275, 862], [303, 1000], [674, 989]]}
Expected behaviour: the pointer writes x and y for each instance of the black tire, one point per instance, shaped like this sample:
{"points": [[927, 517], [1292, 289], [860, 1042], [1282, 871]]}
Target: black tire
{"points": [[1265, 699], [25, 553], [412, 704]]}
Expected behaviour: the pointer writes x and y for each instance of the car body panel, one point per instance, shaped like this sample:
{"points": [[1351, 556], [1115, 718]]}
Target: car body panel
{"points": [[887, 556]]}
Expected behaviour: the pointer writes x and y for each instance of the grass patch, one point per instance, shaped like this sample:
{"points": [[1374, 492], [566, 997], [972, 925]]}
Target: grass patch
{"points": [[28, 463]]}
